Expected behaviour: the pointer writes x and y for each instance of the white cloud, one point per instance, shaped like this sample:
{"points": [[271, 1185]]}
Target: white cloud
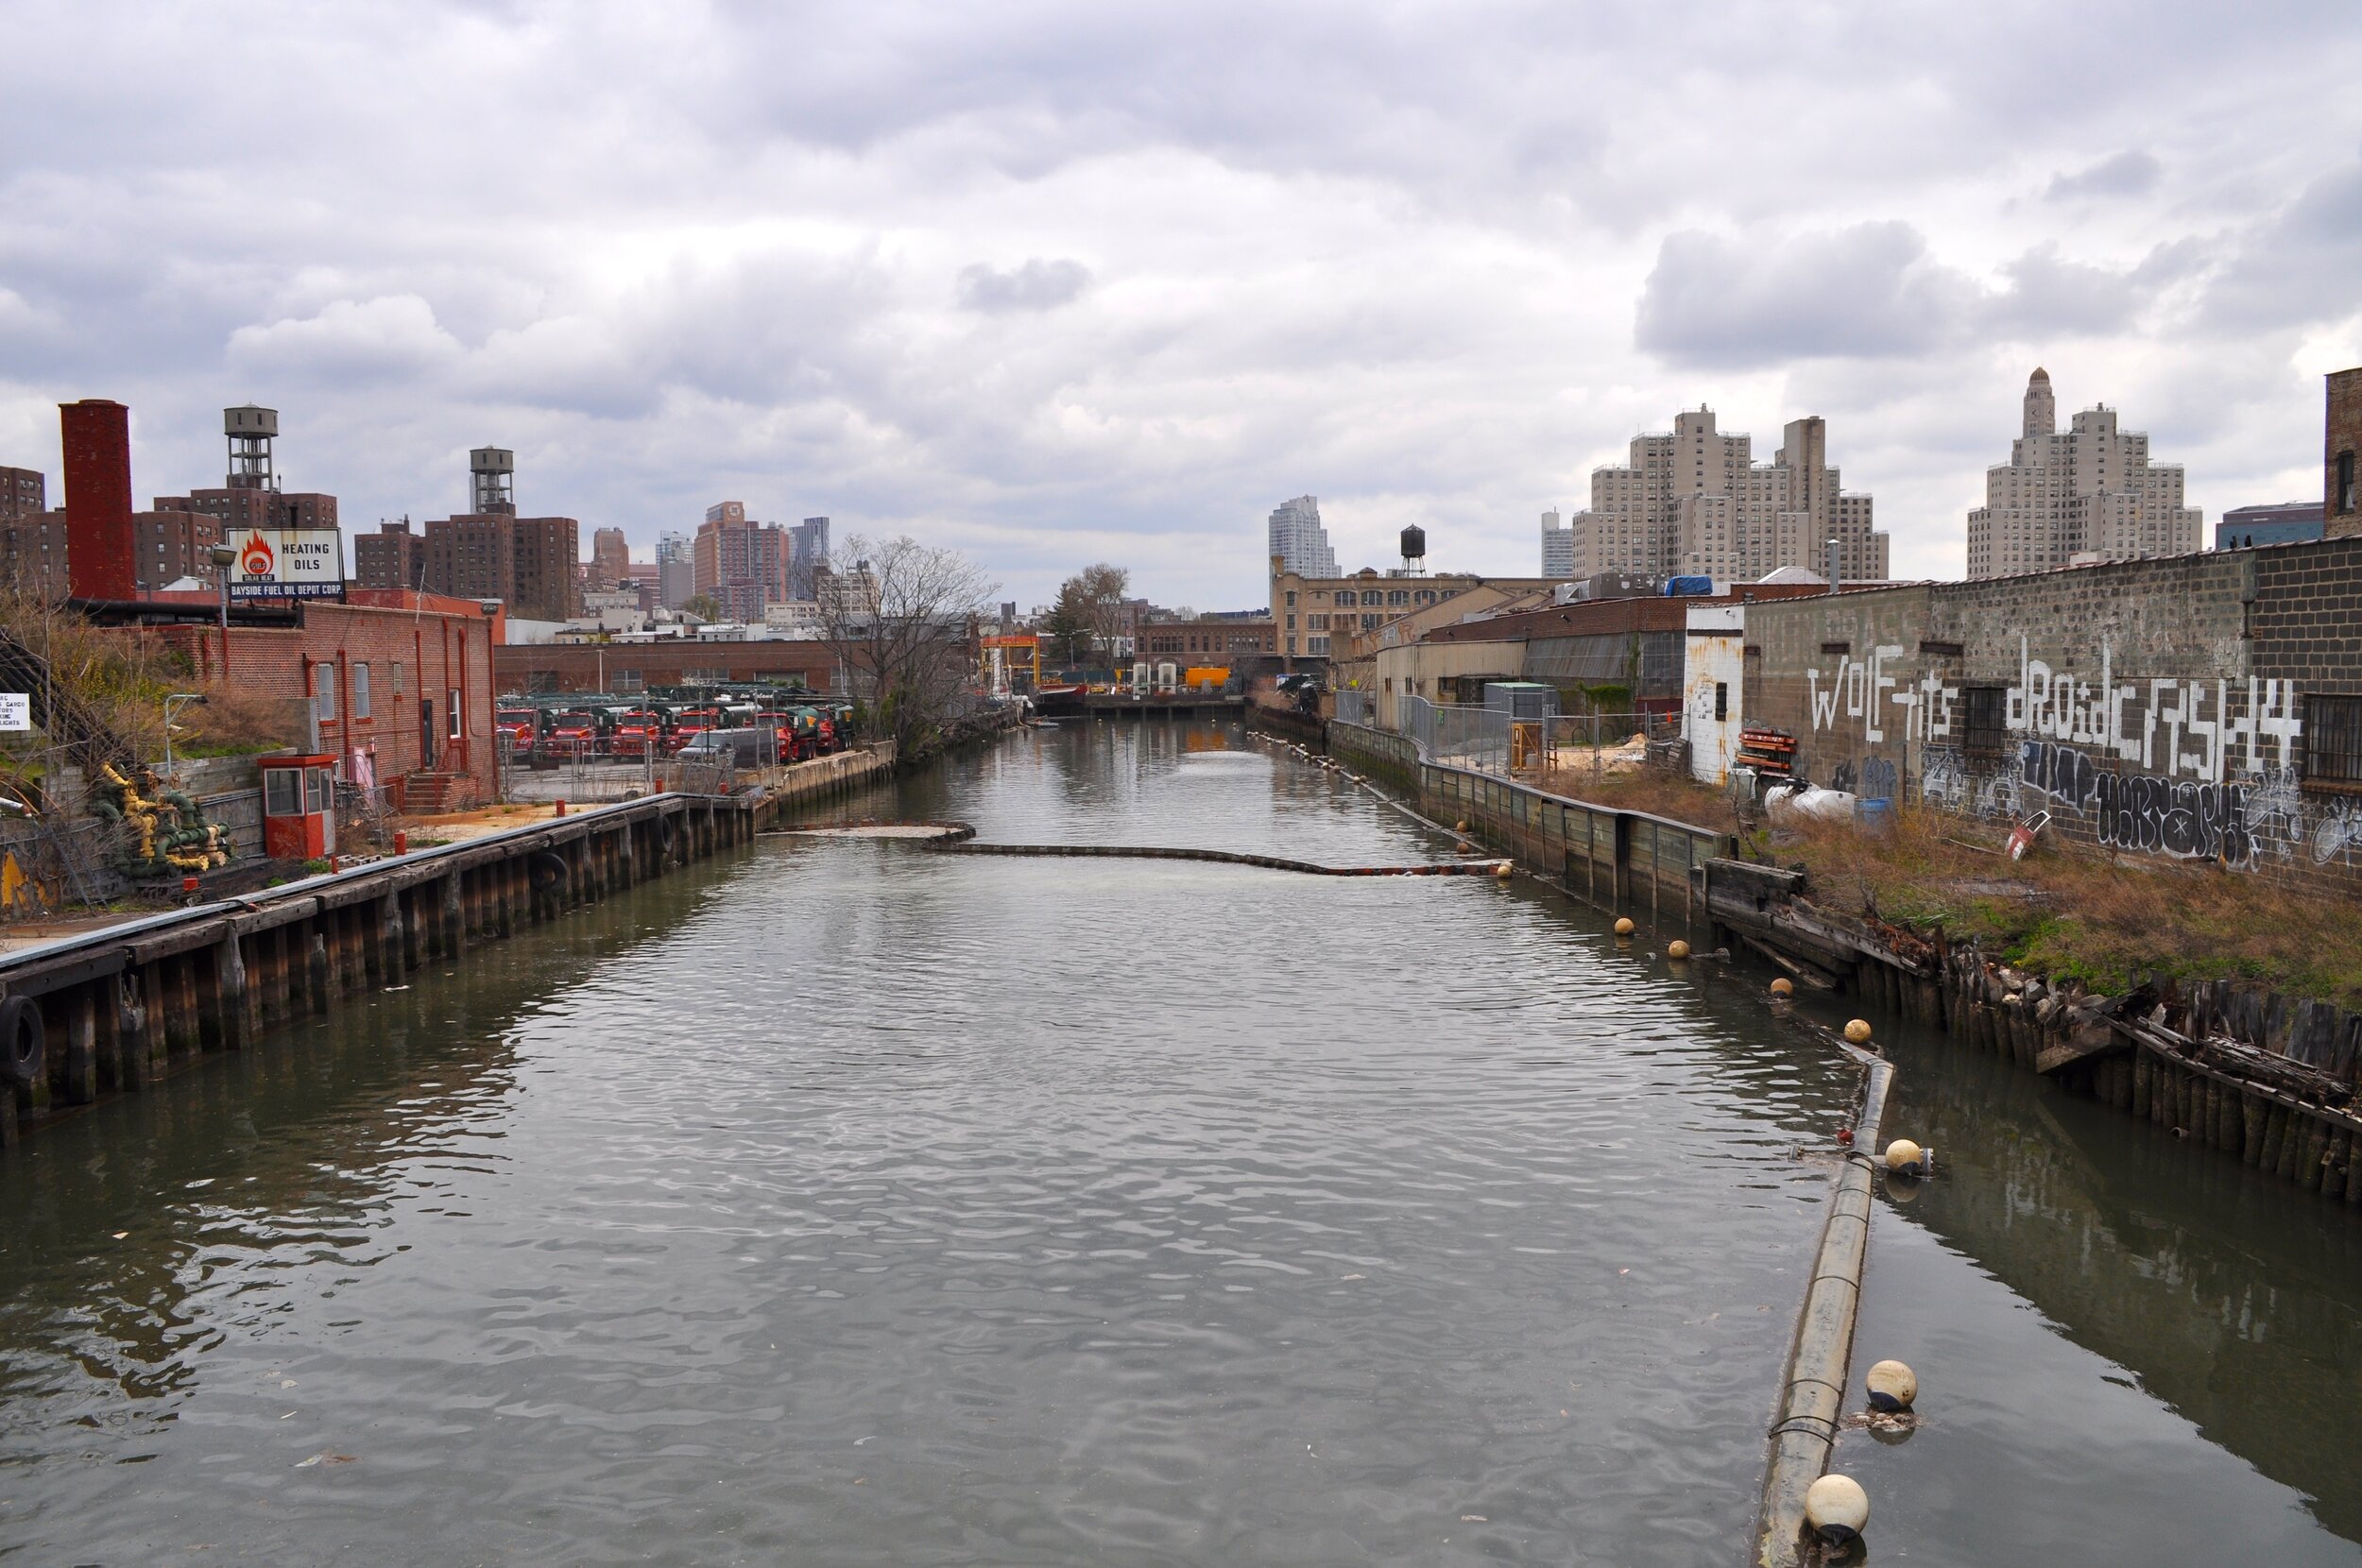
{"points": [[353, 339]]}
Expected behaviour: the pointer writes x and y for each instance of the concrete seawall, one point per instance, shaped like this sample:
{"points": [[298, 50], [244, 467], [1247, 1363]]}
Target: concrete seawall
{"points": [[1603, 855], [122, 1008]]}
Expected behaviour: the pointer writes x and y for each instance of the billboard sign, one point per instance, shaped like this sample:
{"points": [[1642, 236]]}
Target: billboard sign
{"points": [[289, 563]]}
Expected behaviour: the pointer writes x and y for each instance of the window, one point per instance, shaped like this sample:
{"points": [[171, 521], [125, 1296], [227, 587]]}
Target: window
{"points": [[1398, 596], [1985, 720], [282, 792], [1291, 597], [627, 680], [324, 693], [397, 677], [1721, 701], [2333, 743], [359, 692], [1316, 622], [452, 719], [2345, 483]]}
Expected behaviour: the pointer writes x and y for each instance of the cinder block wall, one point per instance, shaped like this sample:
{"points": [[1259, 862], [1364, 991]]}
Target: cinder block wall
{"points": [[2151, 707]]}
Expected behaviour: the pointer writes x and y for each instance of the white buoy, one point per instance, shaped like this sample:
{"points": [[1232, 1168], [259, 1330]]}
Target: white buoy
{"points": [[1623, 925], [1892, 1387], [1857, 1031], [1837, 1508], [1906, 1158]]}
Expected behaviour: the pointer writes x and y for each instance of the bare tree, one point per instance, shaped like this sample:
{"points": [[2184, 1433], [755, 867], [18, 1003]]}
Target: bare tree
{"points": [[903, 620], [1089, 607]]}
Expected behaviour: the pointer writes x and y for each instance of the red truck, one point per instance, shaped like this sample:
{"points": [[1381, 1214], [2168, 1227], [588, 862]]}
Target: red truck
{"points": [[515, 726], [636, 732], [692, 722], [574, 733]]}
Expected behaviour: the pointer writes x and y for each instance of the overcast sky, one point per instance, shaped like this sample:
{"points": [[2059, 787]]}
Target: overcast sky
{"points": [[1055, 283]]}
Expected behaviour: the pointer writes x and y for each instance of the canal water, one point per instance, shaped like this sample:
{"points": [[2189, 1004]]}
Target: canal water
{"points": [[842, 1202]]}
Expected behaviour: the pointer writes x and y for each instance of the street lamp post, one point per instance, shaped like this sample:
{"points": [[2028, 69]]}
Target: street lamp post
{"points": [[224, 556], [182, 699]]}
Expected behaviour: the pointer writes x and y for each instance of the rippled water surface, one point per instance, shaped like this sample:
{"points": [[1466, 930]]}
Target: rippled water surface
{"points": [[842, 1202]]}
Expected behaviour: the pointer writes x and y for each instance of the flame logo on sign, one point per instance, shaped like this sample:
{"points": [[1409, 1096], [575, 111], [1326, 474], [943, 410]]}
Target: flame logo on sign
{"points": [[255, 560]]}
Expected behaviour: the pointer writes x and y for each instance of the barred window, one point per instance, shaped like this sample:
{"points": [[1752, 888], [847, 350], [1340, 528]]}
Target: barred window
{"points": [[1985, 719], [2333, 742]]}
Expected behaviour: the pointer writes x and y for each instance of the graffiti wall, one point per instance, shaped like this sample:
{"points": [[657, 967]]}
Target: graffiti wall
{"points": [[2143, 722]]}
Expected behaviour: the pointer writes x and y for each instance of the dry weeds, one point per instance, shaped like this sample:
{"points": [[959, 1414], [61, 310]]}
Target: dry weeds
{"points": [[2111, 921]]}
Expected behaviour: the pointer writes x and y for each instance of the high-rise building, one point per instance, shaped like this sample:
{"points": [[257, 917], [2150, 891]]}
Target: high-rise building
{"points": [[610, 559], [807, 558], [1558, 547], [741, 565], [393, 558], [23, 492], [2088, 495], [1299, 540], [1695, 503], [32, 537], [531, 564], [676, 570]]}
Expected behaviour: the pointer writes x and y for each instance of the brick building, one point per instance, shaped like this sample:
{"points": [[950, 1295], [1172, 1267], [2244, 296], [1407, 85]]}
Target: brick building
{"points": [[610, 559], [404, 683], [528, 562], [32, 537], [2341, 489], [743, 565], [24, 493], [1208, 639], [236, 511], [393, 558], [2199, 706], [634, 666], [169, 545]]}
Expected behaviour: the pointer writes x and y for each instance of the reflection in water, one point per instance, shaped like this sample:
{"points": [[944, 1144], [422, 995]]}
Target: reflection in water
{"points": [[148, 1232], [842, 1202], [2234, 1301]]}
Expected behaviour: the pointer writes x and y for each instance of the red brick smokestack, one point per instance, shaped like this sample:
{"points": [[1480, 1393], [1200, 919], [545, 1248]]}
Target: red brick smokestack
{"points": [[97, 434]]}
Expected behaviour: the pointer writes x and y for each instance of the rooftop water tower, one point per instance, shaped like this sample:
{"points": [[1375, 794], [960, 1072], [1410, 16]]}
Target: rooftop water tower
{"points": [[1413, 551], [492, 477], [251, 431]]}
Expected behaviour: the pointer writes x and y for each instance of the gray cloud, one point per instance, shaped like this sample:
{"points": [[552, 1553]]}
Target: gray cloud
{"points": [[1429, 262], [2127, 174], [1868, 291], [1037, 286]]}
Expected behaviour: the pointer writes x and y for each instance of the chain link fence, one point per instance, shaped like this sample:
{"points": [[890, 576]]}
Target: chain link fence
{"points": [[1486, 740]]}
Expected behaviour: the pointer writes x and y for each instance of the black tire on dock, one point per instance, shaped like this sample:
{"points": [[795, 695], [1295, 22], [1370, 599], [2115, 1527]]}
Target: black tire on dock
{"points": [[547, 870], [24, 1042]]}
